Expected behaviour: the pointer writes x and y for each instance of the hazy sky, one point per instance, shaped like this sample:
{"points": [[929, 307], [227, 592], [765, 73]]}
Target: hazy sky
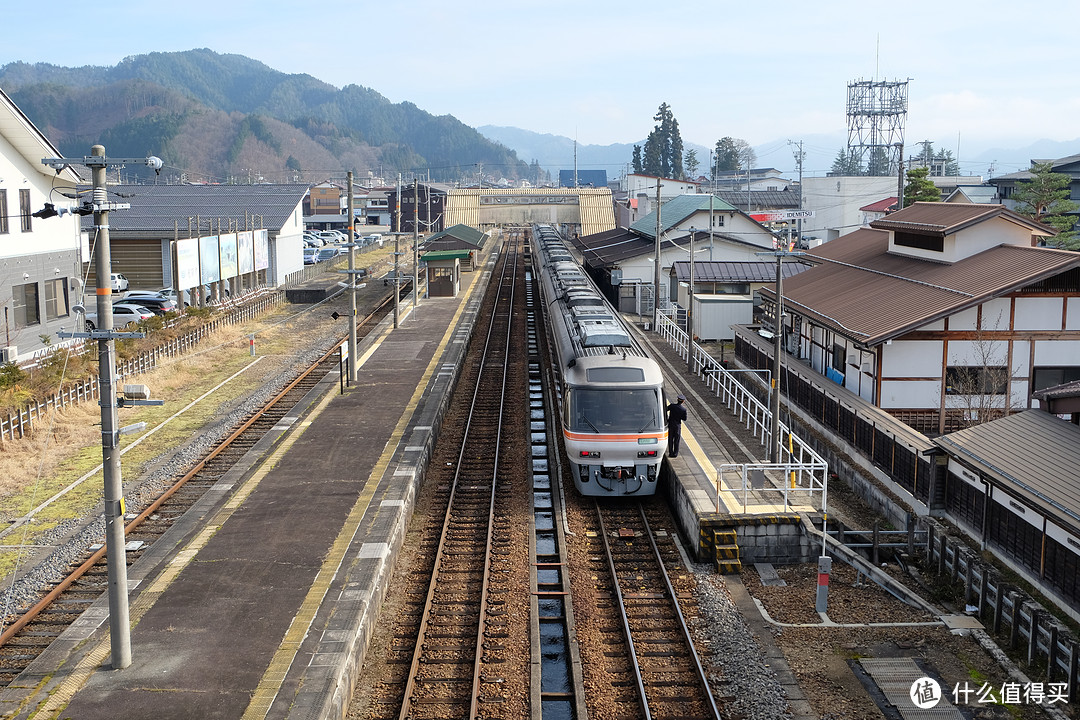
{"points": [[985, 73]]}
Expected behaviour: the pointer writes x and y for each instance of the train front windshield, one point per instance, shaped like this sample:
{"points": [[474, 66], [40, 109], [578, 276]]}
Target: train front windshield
{"points": [[613, 410]]}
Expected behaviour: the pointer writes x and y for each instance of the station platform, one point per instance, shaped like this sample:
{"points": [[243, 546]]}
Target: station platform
{"points": [[259, 602]]}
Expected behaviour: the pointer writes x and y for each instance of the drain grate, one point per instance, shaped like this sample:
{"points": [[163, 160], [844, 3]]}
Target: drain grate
{"points": [[894, 677]]}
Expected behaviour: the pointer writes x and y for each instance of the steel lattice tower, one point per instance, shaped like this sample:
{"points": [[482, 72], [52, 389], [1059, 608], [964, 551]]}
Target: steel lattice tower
{"points": [[876, 113]]}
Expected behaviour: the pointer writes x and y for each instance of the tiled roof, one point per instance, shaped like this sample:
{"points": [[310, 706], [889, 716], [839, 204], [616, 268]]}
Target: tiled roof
{"points": [[947, 218], [1033, 452], [880, 205], [609, 248], [870, 295], [677, 209], [161, 211], [762, 199], [730, 271]]}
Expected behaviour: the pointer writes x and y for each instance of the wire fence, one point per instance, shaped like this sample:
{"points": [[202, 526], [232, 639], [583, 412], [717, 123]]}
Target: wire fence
{"points": [[19, 424]]}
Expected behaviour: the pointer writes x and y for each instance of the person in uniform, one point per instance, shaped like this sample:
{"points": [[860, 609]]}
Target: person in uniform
{"points": [[675, 413]]}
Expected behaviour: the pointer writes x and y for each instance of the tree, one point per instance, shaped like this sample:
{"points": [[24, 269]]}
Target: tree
{"points": [[691, 163], [878, 164], [726, 156], [977, 388], [846, 164], [664, 146], [638, 168], [1045, 198], [919, 188]]}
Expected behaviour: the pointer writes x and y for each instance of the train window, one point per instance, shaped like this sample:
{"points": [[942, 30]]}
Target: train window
{"points": [[614, 410]]}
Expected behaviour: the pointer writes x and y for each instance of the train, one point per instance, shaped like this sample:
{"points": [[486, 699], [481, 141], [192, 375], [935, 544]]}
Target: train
{"points": [[610, 391]]}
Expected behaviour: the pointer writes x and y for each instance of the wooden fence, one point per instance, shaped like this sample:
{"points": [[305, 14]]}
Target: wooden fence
{"points": [[21, 423]]}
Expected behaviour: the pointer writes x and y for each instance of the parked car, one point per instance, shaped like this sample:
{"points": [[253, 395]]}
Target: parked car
{"points": [[157, 305], [332, 236], [123, 314], [327, 253], [311, 255], [118, 282]]}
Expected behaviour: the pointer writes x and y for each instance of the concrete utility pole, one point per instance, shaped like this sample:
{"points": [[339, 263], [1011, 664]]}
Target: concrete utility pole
{"points": [[656, 269], [119, 620], [416, 241], [800, 156], [352, 281]]}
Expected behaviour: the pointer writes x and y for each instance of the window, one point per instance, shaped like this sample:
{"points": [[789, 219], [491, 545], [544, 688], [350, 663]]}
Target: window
{"points": [[921, 242], [718, 220], [3, 213], [976, 380], [24, 300], [1045, 377], [24, 209], [839, 361], [56, 299]]}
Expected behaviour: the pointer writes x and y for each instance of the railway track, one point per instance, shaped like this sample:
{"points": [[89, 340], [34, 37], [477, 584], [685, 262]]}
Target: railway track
{"points": [[455, 647], [657, 668], [32, 632]]}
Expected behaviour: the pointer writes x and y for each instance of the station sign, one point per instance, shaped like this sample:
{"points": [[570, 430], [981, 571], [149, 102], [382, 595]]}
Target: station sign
{"points": [[781, 215]]}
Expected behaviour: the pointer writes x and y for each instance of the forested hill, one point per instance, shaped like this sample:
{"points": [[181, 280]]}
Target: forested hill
{"points": [[218, 118]]}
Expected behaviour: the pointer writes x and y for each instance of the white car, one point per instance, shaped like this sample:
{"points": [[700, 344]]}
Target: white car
{"points": [[118, 282], [123, 314]]}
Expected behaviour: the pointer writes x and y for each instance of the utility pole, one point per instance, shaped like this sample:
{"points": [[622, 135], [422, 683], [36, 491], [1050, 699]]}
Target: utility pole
{"points": [[416, 241], [351, 370], [800, 156], [778, 333], [900, 179], [656, 269], [119, 617]]}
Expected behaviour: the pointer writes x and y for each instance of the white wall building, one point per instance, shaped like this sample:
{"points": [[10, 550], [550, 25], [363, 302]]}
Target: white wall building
{"points": [[39, 257]]}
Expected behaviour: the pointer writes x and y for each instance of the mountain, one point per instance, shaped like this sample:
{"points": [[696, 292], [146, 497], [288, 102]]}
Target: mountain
{"points": [[215, 117], [555, 152]]}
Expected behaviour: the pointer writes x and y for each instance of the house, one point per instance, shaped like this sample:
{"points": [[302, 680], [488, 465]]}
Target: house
{"points": [[983, 194], [40, 277], [766, 179], [753, 200], [421, 203], [1007, 184], [941, 314], [725, 293], [621, 261], [877, 210], [636, 196], [172, 234]]}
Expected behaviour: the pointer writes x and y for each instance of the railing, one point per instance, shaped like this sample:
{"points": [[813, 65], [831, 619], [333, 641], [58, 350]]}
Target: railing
{"points": [[20, 423], [1030, 627], [800, 469]]}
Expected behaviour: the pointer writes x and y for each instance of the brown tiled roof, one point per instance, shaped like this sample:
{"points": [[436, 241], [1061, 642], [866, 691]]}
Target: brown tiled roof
{"points": [[1034, 453], [947, 218], [871, 296], [720, 271]]}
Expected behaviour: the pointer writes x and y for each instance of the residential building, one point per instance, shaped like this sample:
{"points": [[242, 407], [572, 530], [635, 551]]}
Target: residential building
{"points": [[941, 314], [40, 277], [1007, 184], [877, 210], [763, 179]]}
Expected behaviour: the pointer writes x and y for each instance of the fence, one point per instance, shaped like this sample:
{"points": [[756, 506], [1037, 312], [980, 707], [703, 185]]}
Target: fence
{"points": [[1030, 627], [799, 471], [19, 424]]}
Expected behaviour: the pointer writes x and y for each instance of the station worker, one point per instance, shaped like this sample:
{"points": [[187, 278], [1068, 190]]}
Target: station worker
{"points": [[675, 413]]}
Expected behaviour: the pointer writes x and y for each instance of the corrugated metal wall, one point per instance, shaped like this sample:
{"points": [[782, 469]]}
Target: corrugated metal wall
{"points": [[140, 262]]}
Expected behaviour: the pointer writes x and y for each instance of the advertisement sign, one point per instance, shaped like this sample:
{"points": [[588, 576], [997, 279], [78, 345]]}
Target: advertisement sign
{"points": [[187, 263], [227, 247], [209, 259], [245, 252], [262, 249]]}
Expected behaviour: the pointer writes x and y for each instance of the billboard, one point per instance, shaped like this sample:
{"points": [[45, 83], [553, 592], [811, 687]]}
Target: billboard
{"points": [[262, 249], [245, 252], [209, 259], [227, 248], [187, 263]]}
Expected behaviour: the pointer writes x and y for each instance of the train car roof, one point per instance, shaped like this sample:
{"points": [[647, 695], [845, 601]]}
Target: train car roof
{"points": [[615, 370]]}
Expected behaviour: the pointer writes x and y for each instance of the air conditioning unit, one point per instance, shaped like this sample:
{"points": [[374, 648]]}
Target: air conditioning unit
{"points": [[8, 354]]}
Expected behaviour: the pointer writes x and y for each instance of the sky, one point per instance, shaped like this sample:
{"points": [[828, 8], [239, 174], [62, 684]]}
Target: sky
{"points": [[981, 74]]}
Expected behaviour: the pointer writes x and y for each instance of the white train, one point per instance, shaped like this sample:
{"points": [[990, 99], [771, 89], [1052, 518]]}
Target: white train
{"points": [[612, 402]]}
